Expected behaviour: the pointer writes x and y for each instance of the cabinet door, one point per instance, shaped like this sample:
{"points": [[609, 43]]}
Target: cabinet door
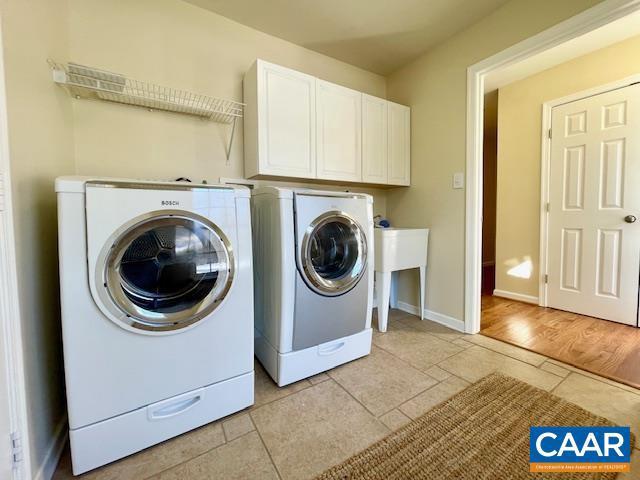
{"points": [[399, 148], [374, 139], [286, 122], [339, 129]]}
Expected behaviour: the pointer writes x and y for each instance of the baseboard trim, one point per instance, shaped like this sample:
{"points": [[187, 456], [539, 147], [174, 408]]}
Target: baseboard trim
{"points": [[446, 320], [407, 307], [50, 461], [515, 296]]}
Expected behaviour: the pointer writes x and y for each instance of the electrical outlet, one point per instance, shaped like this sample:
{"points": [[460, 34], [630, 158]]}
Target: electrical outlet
{"points": [[458, 180]]}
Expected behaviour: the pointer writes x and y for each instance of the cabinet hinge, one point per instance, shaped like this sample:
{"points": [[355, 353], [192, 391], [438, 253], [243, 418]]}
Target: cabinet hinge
{"points": [[548, 207], [16, 449], [546, 278], [549, 134]]}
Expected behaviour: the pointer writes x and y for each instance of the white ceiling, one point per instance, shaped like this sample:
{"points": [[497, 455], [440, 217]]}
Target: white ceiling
{"points": [[377, 35]]}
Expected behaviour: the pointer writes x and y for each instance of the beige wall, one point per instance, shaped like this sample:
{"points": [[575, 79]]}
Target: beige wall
{"points": [[166, 41], [435, 87], [177, 44], [519, 127], [40, 144]]}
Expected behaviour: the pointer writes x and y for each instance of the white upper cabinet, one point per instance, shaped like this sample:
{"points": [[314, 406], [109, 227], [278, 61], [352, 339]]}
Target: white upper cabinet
{"points": [[339, 132], [299, 126], [280, 122], [374, 139], [399, 144]]}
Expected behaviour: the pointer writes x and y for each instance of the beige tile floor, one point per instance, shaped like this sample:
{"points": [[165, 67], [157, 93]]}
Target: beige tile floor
{"points": [[298, 431]]}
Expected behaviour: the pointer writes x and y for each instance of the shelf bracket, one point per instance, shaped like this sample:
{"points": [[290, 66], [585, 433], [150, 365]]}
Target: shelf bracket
{"points": [[233, 131]]}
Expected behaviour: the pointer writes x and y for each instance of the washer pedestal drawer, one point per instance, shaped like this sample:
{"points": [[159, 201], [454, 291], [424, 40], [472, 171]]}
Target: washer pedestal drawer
{"points": [[103, 442], [286, 368]]}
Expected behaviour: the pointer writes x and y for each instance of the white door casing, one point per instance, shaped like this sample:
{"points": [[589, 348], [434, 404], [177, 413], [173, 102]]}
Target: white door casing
{"points": [[6, 459], [594, 173], [339, 132], [374, 139], [14, 432]]}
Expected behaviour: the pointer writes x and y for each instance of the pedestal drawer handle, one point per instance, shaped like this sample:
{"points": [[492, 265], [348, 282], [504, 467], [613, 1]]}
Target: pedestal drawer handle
{"points": [[171, 409], [331, 349]]}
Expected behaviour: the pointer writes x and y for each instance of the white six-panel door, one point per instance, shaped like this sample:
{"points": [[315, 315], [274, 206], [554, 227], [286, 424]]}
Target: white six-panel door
{"points": [[339, 132], [594, 199]]}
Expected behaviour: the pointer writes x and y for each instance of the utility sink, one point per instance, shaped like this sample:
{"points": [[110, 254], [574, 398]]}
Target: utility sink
{"points": [[398, 249]]}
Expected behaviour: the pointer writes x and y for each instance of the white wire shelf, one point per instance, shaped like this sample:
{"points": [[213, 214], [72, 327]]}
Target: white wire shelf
{"points": [[88, 82]]}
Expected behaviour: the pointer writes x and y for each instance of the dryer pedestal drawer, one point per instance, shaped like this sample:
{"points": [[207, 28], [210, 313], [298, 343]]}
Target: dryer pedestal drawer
{"points": [[117, 437]]}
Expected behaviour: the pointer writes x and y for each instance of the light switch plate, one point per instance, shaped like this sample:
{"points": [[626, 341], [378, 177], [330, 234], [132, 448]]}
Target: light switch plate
{"points": [[458, 180]]}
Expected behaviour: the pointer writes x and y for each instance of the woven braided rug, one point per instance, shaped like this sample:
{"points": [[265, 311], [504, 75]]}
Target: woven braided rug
{"points": [[479, 433]]}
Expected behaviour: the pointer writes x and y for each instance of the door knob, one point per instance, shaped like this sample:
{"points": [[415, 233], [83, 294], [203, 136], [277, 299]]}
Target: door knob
{"points": [[630, 219]]}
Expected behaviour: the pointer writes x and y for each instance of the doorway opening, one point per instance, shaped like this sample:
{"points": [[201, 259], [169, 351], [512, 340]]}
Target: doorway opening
{"points": [[489, 191], [566, 262]]}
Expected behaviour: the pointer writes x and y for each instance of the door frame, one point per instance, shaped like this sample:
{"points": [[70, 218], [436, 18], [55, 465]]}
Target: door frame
{"points": [[10, 324], [580, 24], [545, 169]]}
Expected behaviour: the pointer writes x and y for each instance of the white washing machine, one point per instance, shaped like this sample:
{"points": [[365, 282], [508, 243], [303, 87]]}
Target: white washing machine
{"points": [[313, 271], [157, 319]]}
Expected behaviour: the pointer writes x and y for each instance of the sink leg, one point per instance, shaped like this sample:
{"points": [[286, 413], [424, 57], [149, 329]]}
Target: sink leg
{"points": [[383, 291], [423, 279]]}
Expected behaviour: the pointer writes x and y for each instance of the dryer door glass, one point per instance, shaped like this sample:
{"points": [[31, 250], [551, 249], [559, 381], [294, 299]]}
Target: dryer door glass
{"points": [[168, 272], [334, 254]]}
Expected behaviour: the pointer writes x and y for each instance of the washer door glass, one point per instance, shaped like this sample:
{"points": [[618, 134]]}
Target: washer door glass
{"points": [[169, 271], [334, 254]]}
